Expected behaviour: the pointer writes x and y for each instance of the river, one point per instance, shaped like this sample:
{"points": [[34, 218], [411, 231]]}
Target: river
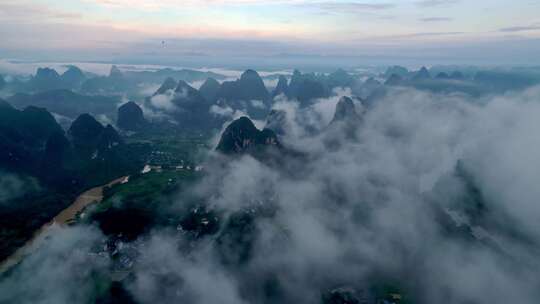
{"points": [[94, 195]]}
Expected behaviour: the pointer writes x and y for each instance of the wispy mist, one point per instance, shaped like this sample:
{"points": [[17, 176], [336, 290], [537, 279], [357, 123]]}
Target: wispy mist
{"points": [[371, 204]]}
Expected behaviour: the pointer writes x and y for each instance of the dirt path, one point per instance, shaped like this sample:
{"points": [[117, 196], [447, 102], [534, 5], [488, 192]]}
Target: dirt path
{"points": [[94, 195]]}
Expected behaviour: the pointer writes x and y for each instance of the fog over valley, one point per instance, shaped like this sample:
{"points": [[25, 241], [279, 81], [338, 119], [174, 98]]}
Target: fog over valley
{"points": [[232, 163]]}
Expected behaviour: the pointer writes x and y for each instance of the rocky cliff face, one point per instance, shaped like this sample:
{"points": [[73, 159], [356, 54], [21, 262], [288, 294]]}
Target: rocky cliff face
{"points": [[23, 136], [306, 87], [130, 117], [422, 74], [250, 86], [281, 88], [345, 110], [247, 94], [73, 77], [168, 84], [241, 136], [277, 121], [90, 138], [209, 89], [45, 79], [340, 78]]}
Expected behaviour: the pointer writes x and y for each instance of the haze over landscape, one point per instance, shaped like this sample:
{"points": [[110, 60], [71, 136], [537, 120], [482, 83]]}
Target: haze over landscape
{"points": [[257, 151], [198, 31]]}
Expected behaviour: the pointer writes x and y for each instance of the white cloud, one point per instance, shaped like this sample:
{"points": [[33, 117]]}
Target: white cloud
{"points": [[164, 101], [369, 204], [259, 104]]}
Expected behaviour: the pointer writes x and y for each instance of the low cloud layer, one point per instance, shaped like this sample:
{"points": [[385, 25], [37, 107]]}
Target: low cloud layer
{"points": [[63, 270], [369, 208], [383, 202]]}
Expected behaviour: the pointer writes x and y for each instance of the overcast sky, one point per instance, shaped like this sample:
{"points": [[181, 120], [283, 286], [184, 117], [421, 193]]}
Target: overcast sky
{"points": [[487, 31]]}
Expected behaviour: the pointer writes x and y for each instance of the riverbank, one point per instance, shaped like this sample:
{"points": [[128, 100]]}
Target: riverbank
{"points": [[69, 214]]}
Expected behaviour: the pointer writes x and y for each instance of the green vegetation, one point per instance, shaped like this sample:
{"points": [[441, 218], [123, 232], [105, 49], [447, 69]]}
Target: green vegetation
{"points": [[64, 179], [27, 214], [171, 149], [143, 189], [132, 208], [391, 292]]}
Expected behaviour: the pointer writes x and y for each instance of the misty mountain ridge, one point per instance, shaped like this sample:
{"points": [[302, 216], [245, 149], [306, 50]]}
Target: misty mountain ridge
{"points": [[167, 85], [345, 110], [269, 152], [281, 88], [277, 121], [249, 86], [210, 89], [130, 117], [355, 175], [241, 136], [66, 102]]}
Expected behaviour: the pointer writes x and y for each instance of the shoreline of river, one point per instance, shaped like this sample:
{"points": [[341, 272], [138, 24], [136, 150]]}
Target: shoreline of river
{"points": [[85, 199]]}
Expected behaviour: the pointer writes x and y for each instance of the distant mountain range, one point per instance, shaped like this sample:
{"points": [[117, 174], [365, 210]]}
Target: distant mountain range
{"points": [[66, 102], [116, 83], [179, 105]]}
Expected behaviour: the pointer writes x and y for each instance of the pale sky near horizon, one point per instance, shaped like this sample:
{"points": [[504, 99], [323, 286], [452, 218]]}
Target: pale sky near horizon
{"points": [[92, 29]]}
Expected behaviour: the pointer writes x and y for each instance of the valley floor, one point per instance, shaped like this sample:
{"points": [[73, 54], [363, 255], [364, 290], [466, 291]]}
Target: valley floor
{"points": [[65, 217]]}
